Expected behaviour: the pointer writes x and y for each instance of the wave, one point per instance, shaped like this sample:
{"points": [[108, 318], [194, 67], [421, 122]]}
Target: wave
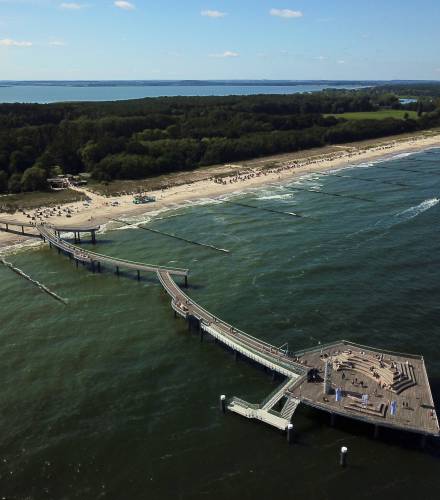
{"points": [[416, 210], [21, 247], [275, 196]]}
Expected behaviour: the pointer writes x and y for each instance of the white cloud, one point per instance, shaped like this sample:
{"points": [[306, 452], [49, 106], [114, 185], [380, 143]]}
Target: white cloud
{"points": [[7, 42], [341, 61], [71, 6], [212, 13], [226, 53], [57, 43], [122, 4], [321, 58], [286, 13]]}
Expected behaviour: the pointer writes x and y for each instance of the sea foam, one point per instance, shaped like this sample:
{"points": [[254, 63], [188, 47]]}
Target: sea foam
{"points": [[416, 210]]}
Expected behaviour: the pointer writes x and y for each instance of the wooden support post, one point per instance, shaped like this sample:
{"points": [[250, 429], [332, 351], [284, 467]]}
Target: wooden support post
{"points": [[94, 237], [22, 229], [290, 433], [7, 227], [99, 266], [423, 441], [117, 270], [76, 262], [332, 419], [93, 266], [223, 403], [186, 281], [139, 275], [343, 456], [236, 355], [201, 335], [74, 237], [79, 237], [376, 431]]}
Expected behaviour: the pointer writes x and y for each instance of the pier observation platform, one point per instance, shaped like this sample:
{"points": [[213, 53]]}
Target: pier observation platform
{"points": [[375, 386], [381, 387]]}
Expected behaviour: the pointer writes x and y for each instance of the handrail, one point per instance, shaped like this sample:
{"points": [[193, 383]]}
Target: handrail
{"points": [[68, 247], [359, 346]]}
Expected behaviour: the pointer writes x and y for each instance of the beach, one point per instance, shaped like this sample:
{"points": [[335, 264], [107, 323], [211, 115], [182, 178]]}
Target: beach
{"points": [[213, 182]]}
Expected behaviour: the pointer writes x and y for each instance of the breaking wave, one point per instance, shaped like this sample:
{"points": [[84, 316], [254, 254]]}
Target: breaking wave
{"points": [[416, 210]]}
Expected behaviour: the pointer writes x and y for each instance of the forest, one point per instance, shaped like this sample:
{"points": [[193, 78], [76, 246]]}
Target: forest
{"points": [[147, 137]]}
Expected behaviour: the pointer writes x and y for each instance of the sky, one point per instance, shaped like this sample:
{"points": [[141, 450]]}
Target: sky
{"points": [[219, 39]]}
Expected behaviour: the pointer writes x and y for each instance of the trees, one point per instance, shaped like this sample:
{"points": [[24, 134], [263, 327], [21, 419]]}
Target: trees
{"points": [[3, 181], [14, 183], [34, 179], [141, 138]]}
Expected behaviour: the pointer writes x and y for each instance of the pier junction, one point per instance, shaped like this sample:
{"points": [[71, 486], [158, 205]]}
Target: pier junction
{"points": [[375, 386]]}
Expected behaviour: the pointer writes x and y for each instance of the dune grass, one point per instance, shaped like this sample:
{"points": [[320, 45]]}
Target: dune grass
{"points": [[13, 202]]}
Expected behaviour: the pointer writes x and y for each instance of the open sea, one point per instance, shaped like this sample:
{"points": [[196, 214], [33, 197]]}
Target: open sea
{"points": [[111, 397], [69, 92]]}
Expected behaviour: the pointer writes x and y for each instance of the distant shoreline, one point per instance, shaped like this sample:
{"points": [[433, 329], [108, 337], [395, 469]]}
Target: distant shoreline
{"points": [[217, 181], [190, 83]]}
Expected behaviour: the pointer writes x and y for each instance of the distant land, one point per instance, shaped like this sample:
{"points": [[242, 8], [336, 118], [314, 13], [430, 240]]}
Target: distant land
{"points": [[201, 83]]}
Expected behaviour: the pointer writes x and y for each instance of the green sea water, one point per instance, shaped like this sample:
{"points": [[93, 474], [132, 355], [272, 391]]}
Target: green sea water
{"points": [[111, 397]]}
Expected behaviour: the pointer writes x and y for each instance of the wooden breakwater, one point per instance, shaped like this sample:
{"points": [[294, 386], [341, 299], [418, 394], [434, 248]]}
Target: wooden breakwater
{"points": [[39, 285]]}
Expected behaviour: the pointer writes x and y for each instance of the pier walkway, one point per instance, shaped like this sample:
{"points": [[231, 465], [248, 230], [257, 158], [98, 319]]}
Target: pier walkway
{"points": [[273, 358], [97, 260], [375, 386]]}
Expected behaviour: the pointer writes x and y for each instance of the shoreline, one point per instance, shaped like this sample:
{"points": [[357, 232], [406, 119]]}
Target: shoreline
{"points": [[234, 179]]}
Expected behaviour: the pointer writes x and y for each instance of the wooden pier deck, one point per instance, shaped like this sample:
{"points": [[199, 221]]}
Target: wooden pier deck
{"points": [[375, 386], [380, 376]]}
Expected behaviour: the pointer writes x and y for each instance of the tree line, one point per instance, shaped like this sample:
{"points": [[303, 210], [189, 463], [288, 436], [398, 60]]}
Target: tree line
{"points": [[146, 137]]}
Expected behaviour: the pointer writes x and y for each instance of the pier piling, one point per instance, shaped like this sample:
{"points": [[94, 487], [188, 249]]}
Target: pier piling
{"points": [[290, 433], [223, 403], [376, 431], [343, 456]]}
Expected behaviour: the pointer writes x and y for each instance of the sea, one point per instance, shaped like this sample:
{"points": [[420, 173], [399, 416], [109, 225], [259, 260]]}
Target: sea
{"points": [[109, 396], [49, 92]]}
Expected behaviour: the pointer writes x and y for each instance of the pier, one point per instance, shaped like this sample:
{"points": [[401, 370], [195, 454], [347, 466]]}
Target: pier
{"points": [[375, 386]]}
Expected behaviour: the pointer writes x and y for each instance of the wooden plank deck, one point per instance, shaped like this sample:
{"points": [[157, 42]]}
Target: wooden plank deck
{"points": [[415, 406]]}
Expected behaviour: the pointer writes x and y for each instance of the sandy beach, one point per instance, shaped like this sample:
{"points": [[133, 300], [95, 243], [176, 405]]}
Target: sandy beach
{"points": [[217, 181]]}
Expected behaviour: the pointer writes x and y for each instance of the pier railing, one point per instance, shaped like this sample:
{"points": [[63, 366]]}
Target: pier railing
{"points": [[356, 346], [48, 234]]}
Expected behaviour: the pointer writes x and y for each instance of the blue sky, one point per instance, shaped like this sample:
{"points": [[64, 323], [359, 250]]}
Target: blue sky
{"points": [[224, 39]]}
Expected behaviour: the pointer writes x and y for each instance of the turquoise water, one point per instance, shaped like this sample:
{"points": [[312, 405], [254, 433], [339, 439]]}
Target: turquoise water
{"points": [[111, 397], [52, 93]]}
